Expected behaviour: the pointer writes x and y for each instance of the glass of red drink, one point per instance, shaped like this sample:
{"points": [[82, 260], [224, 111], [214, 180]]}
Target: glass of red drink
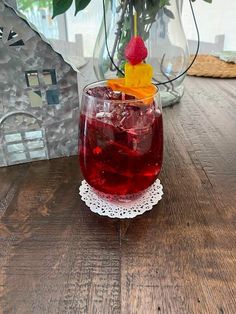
{"points": [[120, 140]]}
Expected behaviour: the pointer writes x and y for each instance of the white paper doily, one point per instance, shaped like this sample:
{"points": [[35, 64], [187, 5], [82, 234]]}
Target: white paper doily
{"points": [[113, 207]]}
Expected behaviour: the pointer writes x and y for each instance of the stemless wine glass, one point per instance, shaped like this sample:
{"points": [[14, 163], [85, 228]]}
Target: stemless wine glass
{"points": [[120, 140]]}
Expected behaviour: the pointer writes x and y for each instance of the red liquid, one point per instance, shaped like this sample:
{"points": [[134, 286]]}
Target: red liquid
{"points": [[120, 161]]}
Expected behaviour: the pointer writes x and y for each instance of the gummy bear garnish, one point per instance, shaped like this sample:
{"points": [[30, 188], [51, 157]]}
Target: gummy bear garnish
{"points": [[145, 93], [135, 51], [138, 75]]}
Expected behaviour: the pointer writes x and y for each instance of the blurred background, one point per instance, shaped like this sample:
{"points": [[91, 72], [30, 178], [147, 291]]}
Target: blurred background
{"points": [[217, 24]]}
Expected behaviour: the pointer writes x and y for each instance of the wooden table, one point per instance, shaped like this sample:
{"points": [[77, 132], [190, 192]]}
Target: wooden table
{"points": [[58, 257]]}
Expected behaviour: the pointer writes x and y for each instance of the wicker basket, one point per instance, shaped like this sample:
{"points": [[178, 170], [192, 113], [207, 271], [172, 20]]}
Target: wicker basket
{"points": [[210, 66]]}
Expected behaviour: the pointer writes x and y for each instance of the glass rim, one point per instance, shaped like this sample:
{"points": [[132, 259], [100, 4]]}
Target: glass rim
{"points": [[116, 100]]}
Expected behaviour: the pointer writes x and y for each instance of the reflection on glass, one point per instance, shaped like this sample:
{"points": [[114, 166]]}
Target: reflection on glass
{"points": [[35, 144], [15, 147], [37, 154], [49, 77], [52, 97], [17, 157], [32, 78], [33, 135], [13, 137]]}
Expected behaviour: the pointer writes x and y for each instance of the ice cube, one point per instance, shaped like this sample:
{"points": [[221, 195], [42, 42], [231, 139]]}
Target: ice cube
{"points": [[137, 118], [102, 92], [103, 115]]}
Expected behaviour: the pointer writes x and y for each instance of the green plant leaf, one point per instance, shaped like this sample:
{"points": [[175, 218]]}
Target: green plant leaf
{"points": [[80, 5], [60, 6], [168, 13], [162, 3], [209, 1], [29, 4]]}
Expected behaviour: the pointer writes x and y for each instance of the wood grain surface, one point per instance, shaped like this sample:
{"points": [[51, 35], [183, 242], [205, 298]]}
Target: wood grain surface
{"points": [[58, 257]]}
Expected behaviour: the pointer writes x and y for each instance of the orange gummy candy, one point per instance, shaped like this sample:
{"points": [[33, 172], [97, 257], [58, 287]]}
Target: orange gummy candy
{"points": [[145, 93]]}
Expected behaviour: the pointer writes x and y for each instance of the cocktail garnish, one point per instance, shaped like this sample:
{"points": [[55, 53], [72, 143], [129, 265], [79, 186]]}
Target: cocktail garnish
{"points": [[138, 75]]}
